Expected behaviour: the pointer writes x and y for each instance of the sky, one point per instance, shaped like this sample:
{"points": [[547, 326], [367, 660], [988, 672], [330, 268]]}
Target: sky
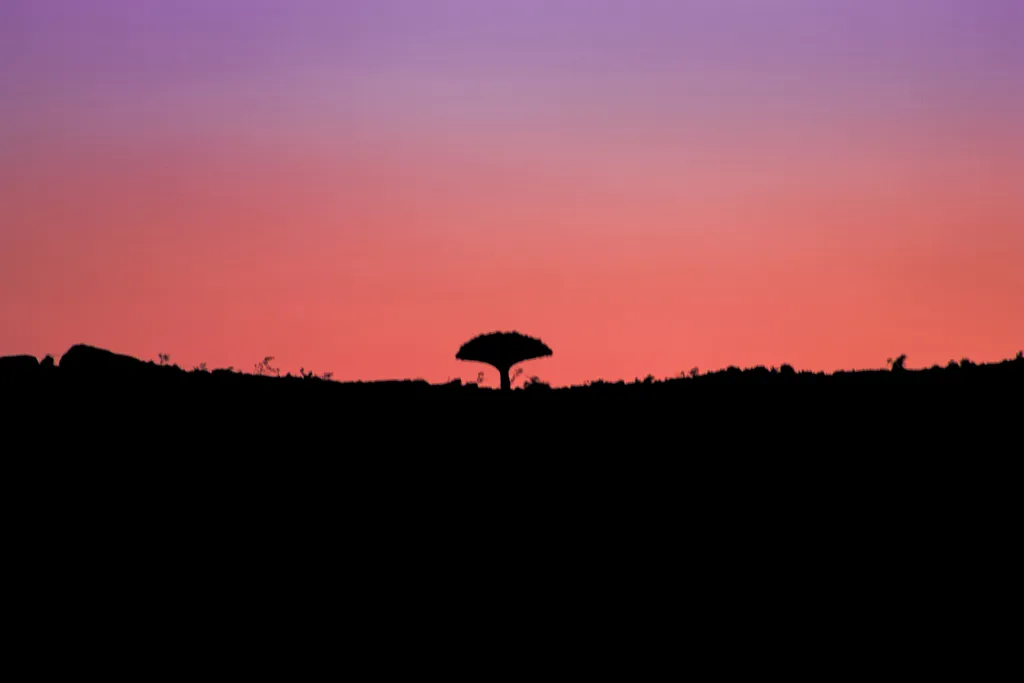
{"points": [[360, 186]]}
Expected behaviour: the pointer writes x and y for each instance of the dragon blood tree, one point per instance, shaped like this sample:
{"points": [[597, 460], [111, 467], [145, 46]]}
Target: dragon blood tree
{"points": [[503, 350]]}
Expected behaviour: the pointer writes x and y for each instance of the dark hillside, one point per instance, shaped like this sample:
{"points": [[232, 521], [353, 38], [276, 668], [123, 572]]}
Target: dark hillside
{"points": [[774, 494], [734, 410]]}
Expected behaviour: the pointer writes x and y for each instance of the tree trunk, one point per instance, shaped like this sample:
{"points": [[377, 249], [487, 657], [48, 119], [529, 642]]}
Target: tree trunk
{"points": [[506, 383]]}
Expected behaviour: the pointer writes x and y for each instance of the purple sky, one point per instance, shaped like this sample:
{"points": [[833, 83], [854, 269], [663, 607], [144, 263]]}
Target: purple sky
{"points": [[303, 68], [133, 42]]}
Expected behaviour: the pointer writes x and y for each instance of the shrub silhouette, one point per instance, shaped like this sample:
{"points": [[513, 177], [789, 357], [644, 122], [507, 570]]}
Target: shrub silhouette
{"points": [[264, 367], [535, 383], [897, 362], [503, 350]]}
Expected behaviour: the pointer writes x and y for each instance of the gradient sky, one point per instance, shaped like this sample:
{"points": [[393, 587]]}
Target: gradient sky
{"points": [[648, 185]]}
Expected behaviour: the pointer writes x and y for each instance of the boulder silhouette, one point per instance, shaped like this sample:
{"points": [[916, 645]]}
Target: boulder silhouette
{"points": [[82, 359], [503, 350], [18, 366]]}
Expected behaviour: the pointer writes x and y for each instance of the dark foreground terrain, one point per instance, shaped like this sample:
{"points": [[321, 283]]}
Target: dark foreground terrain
{"points": [[761, 519], [96, 396]]}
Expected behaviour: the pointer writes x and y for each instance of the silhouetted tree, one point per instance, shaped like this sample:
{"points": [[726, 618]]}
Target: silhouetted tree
{"points": [[503, 350], [165, 358]]}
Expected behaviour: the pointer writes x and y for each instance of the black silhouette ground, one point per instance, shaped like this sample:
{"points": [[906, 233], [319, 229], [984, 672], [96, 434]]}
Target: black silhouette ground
{"points": [[878, 504], [734, 411]]}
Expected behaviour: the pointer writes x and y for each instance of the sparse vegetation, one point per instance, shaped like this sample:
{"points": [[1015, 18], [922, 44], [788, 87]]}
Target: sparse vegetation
{"points": [[309, 374]]}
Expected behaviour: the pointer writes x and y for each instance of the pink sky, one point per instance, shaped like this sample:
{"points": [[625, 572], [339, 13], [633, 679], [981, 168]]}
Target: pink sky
{"points": [[365, 200]]}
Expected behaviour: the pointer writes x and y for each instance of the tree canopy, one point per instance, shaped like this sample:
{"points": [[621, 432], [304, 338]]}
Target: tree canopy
{"points": [[503, 350]]}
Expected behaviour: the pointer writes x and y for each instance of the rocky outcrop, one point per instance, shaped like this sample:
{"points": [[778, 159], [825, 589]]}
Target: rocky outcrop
{"points": [[16, 367], [89, 360]]}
